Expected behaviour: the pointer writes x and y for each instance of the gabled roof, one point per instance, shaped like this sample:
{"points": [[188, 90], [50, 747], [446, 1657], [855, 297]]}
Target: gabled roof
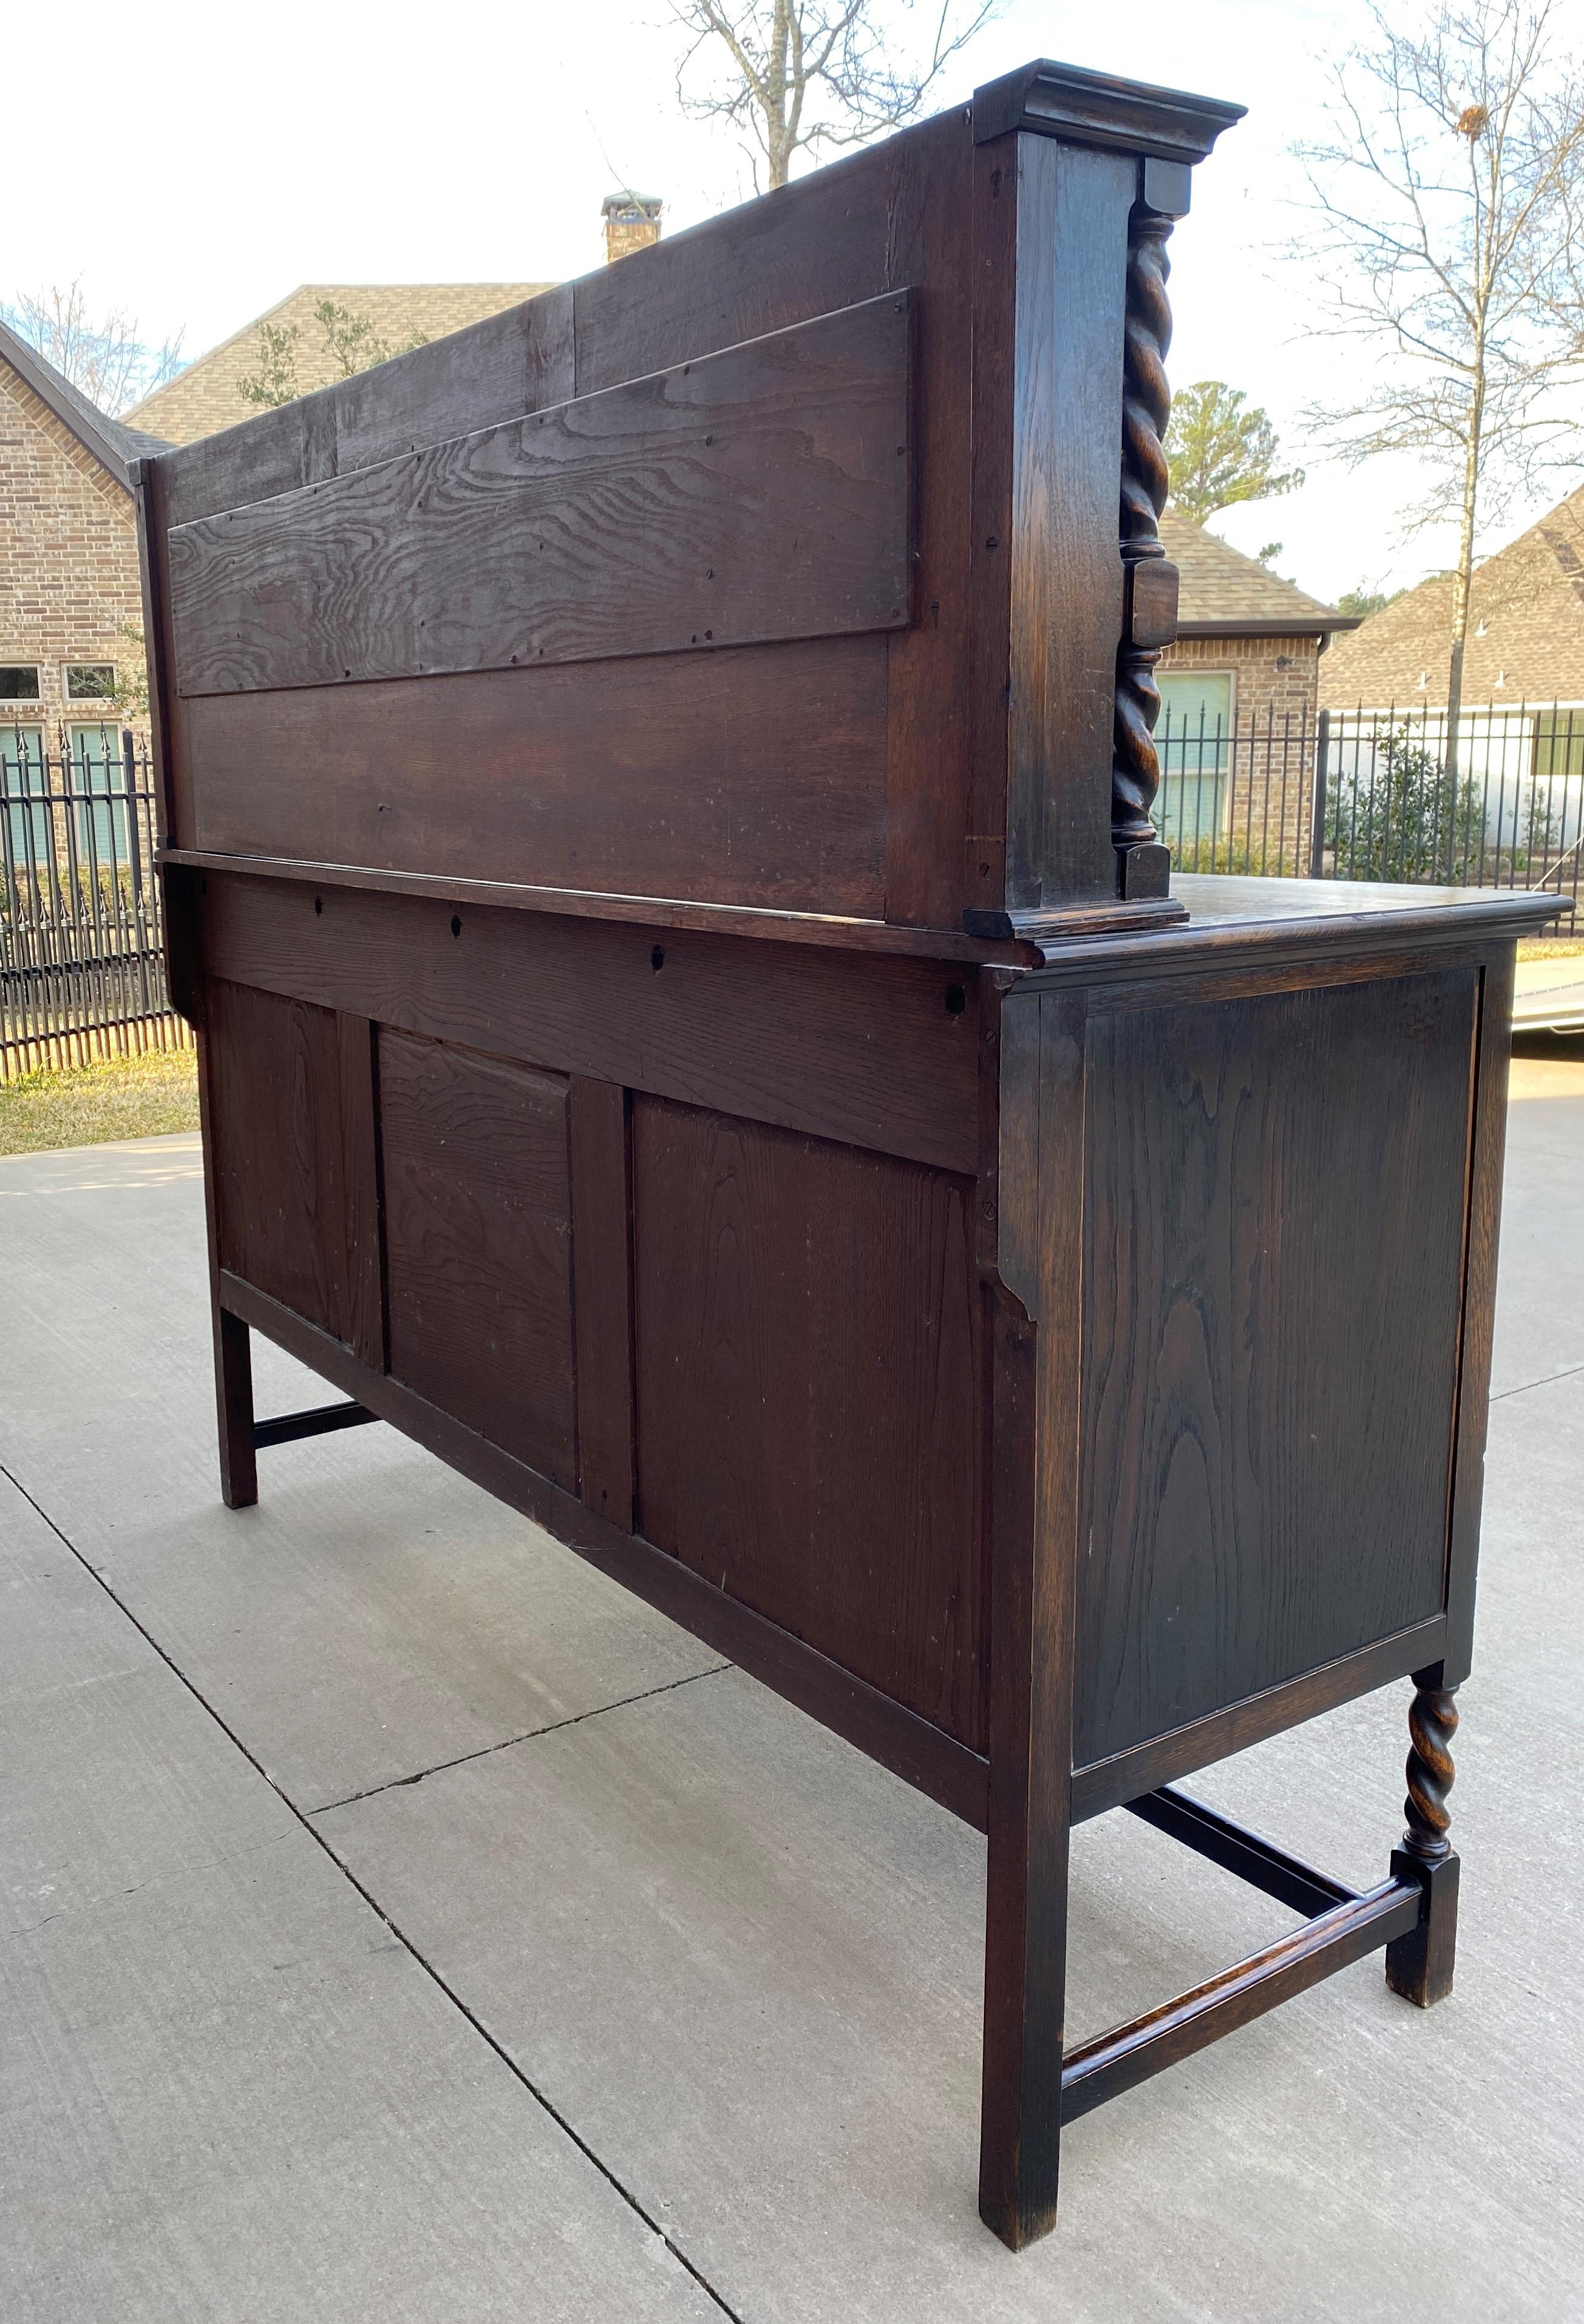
{"points": [[1525, 628], [206, 397], [1224, 593], [111, 441]]}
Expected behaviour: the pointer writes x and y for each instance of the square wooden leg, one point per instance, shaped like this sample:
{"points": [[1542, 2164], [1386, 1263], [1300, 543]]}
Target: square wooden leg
{"points": [[239, 1473], [1419, 1966], [1030, 1802], [1024, 1997]]}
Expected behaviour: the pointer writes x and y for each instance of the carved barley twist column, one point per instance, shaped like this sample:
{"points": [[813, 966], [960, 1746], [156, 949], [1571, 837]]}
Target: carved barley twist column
{"points": [[1147, 404], [1432, 1722], [1419, 1965]]}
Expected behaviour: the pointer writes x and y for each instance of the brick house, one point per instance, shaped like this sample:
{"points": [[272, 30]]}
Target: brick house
{"points": [[1525, 632], [70, 614], [1238, 699]]}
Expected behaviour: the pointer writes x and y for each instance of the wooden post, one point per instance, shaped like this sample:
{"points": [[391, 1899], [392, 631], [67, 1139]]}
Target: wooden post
{"points": [[1149, 620], [1034, 1544], [239, 1469], [1419, 1966]]}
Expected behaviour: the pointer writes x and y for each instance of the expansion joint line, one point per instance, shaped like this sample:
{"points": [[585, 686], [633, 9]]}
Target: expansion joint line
{"points": [[305, 1818]]}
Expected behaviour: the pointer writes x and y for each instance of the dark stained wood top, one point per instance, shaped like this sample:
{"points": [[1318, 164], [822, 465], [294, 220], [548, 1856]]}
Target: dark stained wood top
{"points": [[1096, 108], [1234, 899], [1271, 920]]}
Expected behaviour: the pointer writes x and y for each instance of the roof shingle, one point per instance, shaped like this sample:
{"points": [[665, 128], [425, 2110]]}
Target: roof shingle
{"points": [[1525, 630], [1224, 592]]}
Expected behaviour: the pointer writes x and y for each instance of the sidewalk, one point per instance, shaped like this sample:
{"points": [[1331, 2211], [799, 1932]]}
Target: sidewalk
{"points": [[399, 1923]]}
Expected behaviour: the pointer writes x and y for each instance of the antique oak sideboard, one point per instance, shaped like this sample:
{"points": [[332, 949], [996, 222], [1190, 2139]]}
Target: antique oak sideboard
{"points": [[697, 1028]]}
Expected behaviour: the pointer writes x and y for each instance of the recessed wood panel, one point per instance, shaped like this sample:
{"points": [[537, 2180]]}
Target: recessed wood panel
{"points": [[290, 1098], [808, 1420], [478, 1239], [1275, 1210], [757, 493]]}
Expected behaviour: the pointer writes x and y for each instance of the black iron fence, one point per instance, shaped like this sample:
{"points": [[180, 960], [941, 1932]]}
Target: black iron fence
{"points": [[82, 973], [1355, 794], [1379, 795]]}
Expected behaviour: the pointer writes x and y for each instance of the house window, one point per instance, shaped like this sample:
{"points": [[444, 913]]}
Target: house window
{"points": [[19, 681], [98, 813], [90, 682], [25, 830], [1558, 745], [1193, 742]]}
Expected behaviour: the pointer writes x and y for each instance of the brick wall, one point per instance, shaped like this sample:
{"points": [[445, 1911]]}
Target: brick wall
{"points": [[1270, 675], [68, 555], [1270, 759]]}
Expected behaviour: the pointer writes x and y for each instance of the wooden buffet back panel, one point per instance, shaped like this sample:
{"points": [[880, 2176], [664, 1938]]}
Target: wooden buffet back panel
{"points": [[560, 1180]]}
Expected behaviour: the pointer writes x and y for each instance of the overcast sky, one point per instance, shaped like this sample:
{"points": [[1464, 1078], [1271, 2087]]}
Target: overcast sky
{"points": [[233, 153]]}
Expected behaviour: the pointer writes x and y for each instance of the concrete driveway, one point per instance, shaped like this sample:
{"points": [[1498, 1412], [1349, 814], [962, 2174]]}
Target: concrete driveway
{"points": [[396, 1922]]}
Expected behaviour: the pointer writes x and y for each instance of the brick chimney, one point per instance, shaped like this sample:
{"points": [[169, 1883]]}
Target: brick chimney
{"points": [[632, 221]]}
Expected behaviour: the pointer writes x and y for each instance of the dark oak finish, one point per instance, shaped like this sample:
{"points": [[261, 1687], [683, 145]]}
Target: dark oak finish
{"points": [[834, 931], [1033, 1662], [1113, 1783], [239, 1475], [478, 1240], [1489, 1110], [598, 1124], [867, 1052], [755, 777], [762, 1109], [807, 1413], [1419, 1965], [760, 493], [321, 1420], [1256, 1861], [293, 1143], [1119, 2060], [510, 364], [1274, 1260]]}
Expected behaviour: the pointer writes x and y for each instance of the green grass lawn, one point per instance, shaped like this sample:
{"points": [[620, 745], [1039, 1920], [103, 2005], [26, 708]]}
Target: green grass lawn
{"points": [[89, 1105], [1551, 947]]}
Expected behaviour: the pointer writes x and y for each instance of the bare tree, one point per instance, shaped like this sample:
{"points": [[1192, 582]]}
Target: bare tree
{"points": [[1448, 205], [102, 354], [805, 74]]}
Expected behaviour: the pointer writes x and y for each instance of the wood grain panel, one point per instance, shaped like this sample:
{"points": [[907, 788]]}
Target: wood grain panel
{"points": [[1276, 1191], [601, 1258], [877, 1053], [757, 778], [478, 1240], [899, 214], [808, 1422], [292, 1152], [760, 493], [497, 368], [932, 244]]}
